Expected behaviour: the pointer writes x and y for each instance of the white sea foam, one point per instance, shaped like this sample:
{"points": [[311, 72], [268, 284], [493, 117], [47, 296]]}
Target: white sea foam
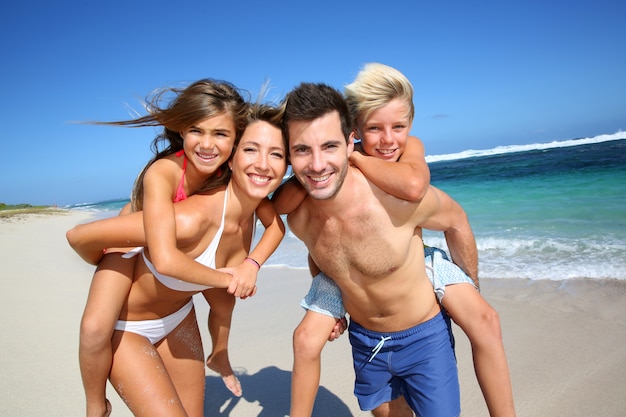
{"points": [[470, 153]]}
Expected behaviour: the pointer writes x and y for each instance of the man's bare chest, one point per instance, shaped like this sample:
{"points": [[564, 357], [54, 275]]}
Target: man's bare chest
{"points": [[359, 244]]}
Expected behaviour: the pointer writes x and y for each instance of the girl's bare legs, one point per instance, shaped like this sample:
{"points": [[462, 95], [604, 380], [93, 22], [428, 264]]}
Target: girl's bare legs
{"points": [[309, 339], [220, 317], [481, 324], [109, 288], [149, 378]]}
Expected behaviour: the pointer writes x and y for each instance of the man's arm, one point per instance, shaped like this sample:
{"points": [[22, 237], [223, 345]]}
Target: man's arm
{"points": [[446, 215]]}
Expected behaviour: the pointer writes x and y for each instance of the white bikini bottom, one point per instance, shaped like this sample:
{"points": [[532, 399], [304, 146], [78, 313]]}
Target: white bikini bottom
{"points": [[155, 330]]}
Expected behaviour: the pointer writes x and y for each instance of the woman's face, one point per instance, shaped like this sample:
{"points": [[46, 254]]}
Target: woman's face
{"points": [[385, 132], [209, 143], [259, 163]]}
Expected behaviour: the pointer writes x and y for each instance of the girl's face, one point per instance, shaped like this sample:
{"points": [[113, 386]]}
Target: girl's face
{"points": [[209, 143], [259, 163], [385, 132]]}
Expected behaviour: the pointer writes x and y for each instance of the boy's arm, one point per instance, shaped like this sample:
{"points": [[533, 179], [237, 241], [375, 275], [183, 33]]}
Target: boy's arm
{"points": [[288, 196], [245, 275], [408, 179]]}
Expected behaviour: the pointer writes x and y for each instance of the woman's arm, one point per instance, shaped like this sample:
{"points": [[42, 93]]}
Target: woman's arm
{"points": [[245, 275]]}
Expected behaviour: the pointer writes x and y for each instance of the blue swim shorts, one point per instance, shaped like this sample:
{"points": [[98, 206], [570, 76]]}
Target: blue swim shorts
{"points": [[418, 363], [441, 271], [324, 297]]}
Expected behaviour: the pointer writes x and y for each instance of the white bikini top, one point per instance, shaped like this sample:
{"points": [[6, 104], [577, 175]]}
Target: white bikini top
{"points": [[207, 258]]}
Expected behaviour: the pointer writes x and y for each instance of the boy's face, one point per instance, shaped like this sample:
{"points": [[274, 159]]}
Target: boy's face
{"points": [[385, 132], [319, 155]]}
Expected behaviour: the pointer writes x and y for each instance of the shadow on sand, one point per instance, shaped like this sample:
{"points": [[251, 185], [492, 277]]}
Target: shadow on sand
{"points": [[270, 389]]}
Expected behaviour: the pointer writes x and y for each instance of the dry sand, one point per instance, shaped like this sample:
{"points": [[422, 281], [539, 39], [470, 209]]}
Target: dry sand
{"points": [[564, 339]]}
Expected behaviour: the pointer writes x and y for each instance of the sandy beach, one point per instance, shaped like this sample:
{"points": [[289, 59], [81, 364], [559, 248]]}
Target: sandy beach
{"points": [[565, 340]]}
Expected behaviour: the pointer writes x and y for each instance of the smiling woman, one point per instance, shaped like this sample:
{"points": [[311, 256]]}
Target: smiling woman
{"points": [[214, 228], [200, 125]]}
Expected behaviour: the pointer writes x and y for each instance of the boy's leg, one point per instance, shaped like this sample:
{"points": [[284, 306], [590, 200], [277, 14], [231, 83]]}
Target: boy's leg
{"points": [[109, 288], [309, 339], [221, 305], [481, 324]]}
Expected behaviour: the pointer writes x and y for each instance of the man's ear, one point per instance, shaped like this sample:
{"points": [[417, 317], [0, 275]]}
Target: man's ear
{"points": [[351, 143]]}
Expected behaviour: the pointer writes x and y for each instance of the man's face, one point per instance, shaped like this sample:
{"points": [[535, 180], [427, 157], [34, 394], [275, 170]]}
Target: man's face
{"points": [[319, 155]]}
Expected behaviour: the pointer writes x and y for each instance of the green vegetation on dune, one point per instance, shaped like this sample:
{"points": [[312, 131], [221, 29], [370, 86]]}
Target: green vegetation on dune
{"points": [[8, 210]]}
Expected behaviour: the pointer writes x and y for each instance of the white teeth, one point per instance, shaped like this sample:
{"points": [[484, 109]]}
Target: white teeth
{"points": [[206, 156], [258, 178], [386, 151], [320, 179]]}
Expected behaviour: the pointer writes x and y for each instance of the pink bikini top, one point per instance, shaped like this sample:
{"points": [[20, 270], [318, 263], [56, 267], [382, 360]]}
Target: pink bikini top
{"points": [[180, 191]]}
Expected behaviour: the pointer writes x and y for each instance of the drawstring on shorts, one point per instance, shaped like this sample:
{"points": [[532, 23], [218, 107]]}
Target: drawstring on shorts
{"points": [[378, 347]]}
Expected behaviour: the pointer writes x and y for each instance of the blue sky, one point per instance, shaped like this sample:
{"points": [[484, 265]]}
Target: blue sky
{"points": [[485, 74]]}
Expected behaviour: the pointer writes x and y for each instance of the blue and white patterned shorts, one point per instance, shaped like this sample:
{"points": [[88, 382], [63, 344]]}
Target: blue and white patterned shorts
{"points": [[441, 271], [324, 297]]}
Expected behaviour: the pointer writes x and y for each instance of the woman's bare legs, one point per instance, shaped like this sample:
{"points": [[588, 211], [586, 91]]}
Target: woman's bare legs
{"points": [[309, 339], [109, 288], [481, 324], [220, 317], [183, 356], [149, 379]]}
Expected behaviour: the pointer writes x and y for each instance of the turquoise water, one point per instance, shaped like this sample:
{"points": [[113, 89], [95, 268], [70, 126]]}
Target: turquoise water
{"points": [[552, 213], [544, 211]]}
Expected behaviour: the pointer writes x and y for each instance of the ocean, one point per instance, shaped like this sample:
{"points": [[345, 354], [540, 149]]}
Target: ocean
{"points": [[545, 211]]}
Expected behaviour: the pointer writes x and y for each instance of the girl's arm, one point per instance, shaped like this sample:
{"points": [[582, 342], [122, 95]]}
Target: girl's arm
{"points": [[288, 196], [245, 275], [159, 220], [407, 179]]}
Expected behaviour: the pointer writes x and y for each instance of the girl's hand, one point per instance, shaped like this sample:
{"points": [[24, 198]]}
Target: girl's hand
{"points": [[243, 284]]}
